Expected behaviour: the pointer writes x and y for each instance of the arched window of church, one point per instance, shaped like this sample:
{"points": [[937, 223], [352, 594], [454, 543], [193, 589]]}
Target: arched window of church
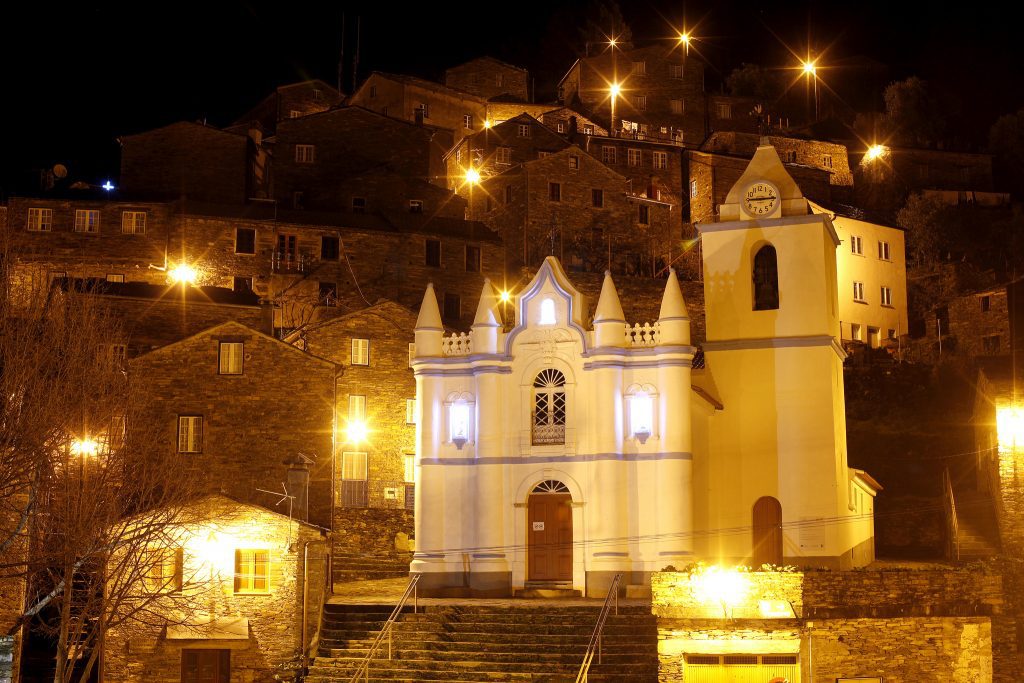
{"points": [[549, 407], [766, 279], [547, 312]]}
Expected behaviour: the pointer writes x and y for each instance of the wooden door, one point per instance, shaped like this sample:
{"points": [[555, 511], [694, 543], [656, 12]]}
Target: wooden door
{"points": [[549, 534], [767, 532], [205, 666]]}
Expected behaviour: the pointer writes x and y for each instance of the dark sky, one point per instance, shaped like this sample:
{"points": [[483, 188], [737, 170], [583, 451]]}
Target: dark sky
{"points": [[77, 76]]}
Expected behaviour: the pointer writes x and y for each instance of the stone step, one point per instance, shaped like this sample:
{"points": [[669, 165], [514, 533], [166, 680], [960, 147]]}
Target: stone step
{"points": [[443, 669], [548, 593]]}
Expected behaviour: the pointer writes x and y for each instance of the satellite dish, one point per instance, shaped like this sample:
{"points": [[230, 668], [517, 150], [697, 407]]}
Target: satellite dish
{"points": [[60, 171]]}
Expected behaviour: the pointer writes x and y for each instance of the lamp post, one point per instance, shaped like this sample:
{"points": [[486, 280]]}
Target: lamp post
{"points": [[613, 91], [684, 40], [811, 71]]}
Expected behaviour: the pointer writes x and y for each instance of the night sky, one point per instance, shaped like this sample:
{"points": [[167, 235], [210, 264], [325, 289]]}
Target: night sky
{"points": [[78, 76]]}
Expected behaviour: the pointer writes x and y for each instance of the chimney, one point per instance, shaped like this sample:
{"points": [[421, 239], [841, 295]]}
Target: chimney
{"points": [[297, 483], [267, 317]]}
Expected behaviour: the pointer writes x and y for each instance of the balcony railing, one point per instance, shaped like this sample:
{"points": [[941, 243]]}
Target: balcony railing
{"points": [[285, 262], [548, 434]]}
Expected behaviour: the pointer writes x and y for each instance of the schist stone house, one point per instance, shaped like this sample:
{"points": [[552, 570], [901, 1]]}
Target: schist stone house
{"points": [[569, 448]]}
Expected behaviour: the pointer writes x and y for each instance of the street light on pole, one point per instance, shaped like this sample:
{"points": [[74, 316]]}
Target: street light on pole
{"points": [[811, 71], [613, 91]]}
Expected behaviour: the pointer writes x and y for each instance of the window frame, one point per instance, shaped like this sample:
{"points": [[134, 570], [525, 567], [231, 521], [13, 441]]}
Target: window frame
{"points": [[524, 130], [643, 214], [471, 249], [162, 582], [194, 440], [675, 71], [446, 305], [634, 157], [36, 216], [597, 197], [246, 582], [415, 206], [238, 232], [640, 102], [467, 121], [86, 226], [503, 155], [554, 192], [858, 292], [221, 358], [609, 154], [305, 154], [134, 221], [360, 352], [427, 250], [856, 245], [659, 160], [410, 411], [884, 251], [886, 296], [325, 254], [357, 407]]}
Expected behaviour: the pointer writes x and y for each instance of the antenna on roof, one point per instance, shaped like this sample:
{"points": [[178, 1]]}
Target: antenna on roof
{"points": [[355, 59], [341, 57]]}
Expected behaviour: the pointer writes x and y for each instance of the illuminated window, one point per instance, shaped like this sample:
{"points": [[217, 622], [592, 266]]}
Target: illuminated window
{"points": [[856, 245], [415, 206], [826, 160], [547, 312], [133, 222], [660, 160], [412, 353], [588, 129], [574, 162], [354, 489], [886, 296], [458, 422], [245, 241], [40, 220], [252, 571], [230, 358], [467, 121], [115, 277], [424, 110], [560, 127], [641, 414], [549, 407], [503, 155], [356, 407], [190, 433], [608, 154], [163, 570], [305, 154], [856, 332], [883, 251], [410, 468], [360, 352], [858, 291], [87, 220], [410, 411], [633, 157]]}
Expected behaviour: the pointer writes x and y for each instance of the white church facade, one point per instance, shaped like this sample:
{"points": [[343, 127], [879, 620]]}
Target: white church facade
{"points": [[573, 446]]}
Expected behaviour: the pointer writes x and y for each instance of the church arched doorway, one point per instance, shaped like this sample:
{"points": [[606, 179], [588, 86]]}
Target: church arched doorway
{"points": [[549, 532], [767, 532]]}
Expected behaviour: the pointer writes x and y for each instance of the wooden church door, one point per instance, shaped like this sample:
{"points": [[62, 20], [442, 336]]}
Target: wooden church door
{"points": [[767, 532], [549, 533]]}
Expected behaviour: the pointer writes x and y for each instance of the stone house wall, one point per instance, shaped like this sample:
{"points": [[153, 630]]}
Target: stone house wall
{"points": [[480, 150], [186, 159], [830, 157], [144, 653], [280, 406], [488, 77], [975, 325], [563, 116]]}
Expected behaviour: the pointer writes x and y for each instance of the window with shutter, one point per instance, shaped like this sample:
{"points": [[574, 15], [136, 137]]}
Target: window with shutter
{"points": [[230, 358], [410, 411], [252, 571], [360, 352], [190, 433], [356, 407]]}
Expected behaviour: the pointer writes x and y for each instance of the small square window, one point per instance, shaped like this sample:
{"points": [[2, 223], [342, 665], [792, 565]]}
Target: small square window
{"points": [[858, 291], [452, 306], [723, 110], [597, 198], [639, 67], [826, 161], [555, 192], [675, 70], [252, 571], [305, 154], [190, 433], [990, 343], [560, 127], [472, 259], [856, 245], [318, 94], [410, 412], [503, 155], [886, 296], [330, 247], [163, 570], [543, 154], [433, 253], [133, 222], [294, 114], [643, 214], [358, 205], [245, 241], [415, 206], [677, 106], [328, 293], [241, 284], [574, 162], [588, 129], [87, 220], [40, 220], [115, 277], [524, 130], [883, 251], [360, 352], [231, 354]]}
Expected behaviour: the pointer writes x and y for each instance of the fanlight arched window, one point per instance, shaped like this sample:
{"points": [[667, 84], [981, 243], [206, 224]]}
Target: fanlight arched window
{"points": [[550, 486], [549, 407], [766, 279]]}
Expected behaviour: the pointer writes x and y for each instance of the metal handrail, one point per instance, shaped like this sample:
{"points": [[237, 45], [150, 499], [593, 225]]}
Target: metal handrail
{"points": [[364, 667], [952, 523], [595, 640]]}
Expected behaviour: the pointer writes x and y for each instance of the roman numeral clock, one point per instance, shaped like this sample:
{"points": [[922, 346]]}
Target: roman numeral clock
{"points": [[760, 199]]}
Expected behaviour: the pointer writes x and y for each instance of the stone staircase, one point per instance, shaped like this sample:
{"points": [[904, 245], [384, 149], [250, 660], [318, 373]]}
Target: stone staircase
{"points": [[348, 566], [535, 641], [977, 524]]}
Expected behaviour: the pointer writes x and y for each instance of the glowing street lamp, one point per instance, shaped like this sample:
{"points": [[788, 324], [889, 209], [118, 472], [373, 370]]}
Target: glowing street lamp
{"points": [[472, 176], [875, 152], [85, 448], [684, 40], [613, 91], [1010, 427], [357, 431], [506, 296], [183, 274], [811, 71]]}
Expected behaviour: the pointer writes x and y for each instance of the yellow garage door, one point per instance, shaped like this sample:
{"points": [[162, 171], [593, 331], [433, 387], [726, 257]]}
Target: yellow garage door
{"points": [[742, 669]]}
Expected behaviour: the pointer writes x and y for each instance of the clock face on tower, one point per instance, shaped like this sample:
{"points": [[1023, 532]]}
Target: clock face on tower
{"points": [[760, 198]]}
